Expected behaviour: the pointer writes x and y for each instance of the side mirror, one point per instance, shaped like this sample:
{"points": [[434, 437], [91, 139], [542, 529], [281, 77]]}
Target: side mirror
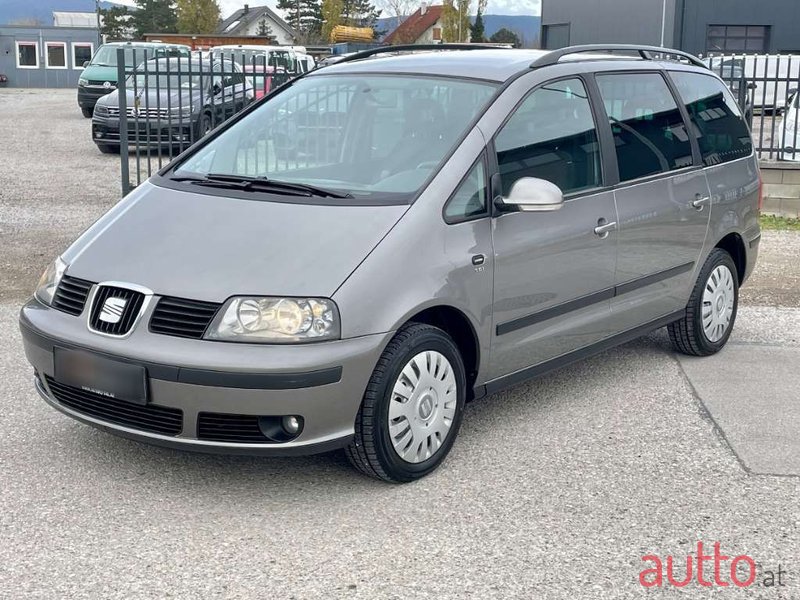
{"points": [[216, 88], [85, 64], [792, 93], [533, 195]]}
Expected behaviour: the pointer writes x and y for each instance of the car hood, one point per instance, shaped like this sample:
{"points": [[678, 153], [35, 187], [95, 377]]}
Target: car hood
{"points": [[99, 73], [155, 98], [205, 247]]}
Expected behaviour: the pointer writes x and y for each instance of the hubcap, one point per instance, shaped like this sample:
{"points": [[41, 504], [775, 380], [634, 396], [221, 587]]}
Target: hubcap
{"points": [[718, 299], [422, 406]]}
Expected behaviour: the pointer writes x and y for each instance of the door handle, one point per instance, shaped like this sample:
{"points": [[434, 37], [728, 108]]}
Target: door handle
{"points": [[701, 201], [604, 228]]}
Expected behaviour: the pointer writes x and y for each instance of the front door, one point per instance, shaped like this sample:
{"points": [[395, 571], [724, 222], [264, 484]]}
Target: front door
{"points": [[663, 199], [554, 274]]}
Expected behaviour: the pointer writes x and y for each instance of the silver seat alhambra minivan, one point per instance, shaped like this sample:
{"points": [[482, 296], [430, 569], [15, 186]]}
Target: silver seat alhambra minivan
{"points": [[350, 260]]}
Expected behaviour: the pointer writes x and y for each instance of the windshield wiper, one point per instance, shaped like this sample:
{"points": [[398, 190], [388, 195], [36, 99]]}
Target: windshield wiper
{"points": [[264, 182]]}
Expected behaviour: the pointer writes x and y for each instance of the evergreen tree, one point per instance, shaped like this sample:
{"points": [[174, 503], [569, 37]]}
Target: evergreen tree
{"points": [[197, 16], [332, 16], [506, 36], [477, 30], [115, 24], [359, 13], [305, 16], [154, 16], [264, 30]]}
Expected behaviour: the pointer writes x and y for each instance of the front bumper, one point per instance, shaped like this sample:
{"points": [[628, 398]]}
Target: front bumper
{"points": [[322, 383], [88, 95], [144, 132]]}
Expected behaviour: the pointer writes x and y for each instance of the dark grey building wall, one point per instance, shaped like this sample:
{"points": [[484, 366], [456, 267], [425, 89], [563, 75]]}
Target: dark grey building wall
{"points": [[611, 21], [686, 26], [42, 76], [782, 17]]}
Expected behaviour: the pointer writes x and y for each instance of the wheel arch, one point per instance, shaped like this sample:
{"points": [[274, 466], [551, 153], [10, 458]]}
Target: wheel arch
{"points": [[733, 244], [458, 326]]}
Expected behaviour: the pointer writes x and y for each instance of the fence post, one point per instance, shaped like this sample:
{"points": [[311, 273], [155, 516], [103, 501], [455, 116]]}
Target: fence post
{"points": [[124, 167]]}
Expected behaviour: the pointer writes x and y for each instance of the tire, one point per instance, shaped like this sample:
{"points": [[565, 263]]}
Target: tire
{"points": [[204, 125], [108, 149], [87, 112], [689, 335], [373, 451]]}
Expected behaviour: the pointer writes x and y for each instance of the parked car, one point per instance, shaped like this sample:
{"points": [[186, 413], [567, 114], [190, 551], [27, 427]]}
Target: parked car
{"points": [[305, 62], [476, 219], [731, 70], [264, 65], [790, 147], [172, 101], [99, 76]]}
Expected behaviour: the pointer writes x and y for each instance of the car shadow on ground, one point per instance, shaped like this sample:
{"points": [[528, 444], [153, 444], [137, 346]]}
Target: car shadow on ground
{"points": [[197, 473]]}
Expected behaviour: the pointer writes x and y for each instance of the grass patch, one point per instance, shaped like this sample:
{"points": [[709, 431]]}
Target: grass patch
{"points": [[780, 223]]}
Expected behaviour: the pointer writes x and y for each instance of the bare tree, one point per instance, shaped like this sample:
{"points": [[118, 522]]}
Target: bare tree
{"points": [[399, 9]]}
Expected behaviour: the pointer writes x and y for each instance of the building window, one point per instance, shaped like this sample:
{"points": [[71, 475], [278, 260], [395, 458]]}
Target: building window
{"points": [[56, 55], [27, 55], [753, 39], [81, 53], [437, 34], [555, 36]]}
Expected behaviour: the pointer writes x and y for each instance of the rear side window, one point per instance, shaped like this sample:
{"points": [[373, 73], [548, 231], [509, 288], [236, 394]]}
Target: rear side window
{"points": [[551, 136], [649, 133], [716, 119]]}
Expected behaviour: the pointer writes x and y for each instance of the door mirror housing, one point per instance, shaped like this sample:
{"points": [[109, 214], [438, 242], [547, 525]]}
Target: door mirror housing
{"points": [[85, 64], [529, 194]]}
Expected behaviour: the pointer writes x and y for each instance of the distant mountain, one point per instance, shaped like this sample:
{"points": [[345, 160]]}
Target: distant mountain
{"points": [[41, 11], [525, 26]]}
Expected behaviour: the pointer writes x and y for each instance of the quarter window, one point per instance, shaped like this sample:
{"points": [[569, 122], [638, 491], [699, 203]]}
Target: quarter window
{"points": [[649, 133], [81, 53], [27, 55], [469, 201], [551, 136], [56, 56], [716, 119]]}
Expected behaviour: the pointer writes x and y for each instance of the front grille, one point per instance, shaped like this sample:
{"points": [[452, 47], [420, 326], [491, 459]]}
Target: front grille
{"points": [[142, 113], [71, 294], [115, 310], [219, 427], [152, 418], [99, 83], [182, 318]]}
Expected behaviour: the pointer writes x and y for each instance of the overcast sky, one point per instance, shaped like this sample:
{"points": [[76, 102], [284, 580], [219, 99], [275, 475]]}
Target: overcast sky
{"points": [[496, 7]]}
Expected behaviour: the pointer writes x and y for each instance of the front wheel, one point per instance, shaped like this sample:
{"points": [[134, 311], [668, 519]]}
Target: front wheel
{"points": [[711, 312], [412, 409], [108, 148], [87, 112]]}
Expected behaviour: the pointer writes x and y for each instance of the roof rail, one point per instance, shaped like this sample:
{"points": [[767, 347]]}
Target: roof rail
{"points": [[646, 52], [415, 48]]}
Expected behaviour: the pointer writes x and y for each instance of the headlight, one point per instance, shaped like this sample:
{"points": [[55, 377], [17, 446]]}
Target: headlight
{"points": [[100, 109], [276, 320], [49, 281], [181, 110], [82, 82]]}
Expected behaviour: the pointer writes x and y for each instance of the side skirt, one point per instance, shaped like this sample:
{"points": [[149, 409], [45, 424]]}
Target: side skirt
{"points": [[512, 379]]}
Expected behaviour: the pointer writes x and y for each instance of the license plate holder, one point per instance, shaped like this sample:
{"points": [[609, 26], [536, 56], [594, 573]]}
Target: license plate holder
{"points": [[93, 373]]}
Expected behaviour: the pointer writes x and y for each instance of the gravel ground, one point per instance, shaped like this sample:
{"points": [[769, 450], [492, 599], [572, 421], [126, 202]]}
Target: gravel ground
{"points": [[555, 489]]}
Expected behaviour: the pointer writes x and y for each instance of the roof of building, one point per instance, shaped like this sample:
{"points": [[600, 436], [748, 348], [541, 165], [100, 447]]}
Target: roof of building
{"points": [[242, 18], [64, 18], [415, 25]]}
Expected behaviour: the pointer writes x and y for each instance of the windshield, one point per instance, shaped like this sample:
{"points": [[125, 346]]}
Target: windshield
{"points": [[281, 59], [370, 136], [173, 81], [106, 56]]}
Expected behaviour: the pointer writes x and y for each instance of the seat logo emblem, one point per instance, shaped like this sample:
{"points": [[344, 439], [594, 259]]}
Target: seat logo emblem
{"points": [[112, 310]]}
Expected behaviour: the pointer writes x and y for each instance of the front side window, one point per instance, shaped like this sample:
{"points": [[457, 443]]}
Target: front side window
{"points": [[649, 133], [81, 53], [470, 199], [719, 127], [56, 57], [27, 55], [371, 136], [551, 136]]}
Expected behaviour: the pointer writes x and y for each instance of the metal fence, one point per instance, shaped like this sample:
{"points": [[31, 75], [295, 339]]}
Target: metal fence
{"points": [[167, 102], [766, 87]]}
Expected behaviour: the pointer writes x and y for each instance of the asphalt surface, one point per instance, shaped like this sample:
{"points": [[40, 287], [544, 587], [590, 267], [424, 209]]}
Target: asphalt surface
{"points": [[555, 489]]}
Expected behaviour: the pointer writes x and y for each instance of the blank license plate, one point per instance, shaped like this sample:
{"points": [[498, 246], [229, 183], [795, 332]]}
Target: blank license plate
{"points": [[109, 378]]}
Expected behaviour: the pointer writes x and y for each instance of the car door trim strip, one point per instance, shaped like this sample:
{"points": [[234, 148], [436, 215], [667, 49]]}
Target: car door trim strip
{"points": [[590, 299]]}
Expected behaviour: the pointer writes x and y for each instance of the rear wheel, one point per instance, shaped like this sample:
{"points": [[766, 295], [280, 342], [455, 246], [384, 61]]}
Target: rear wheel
{"points": [[412, 409], [711, 312]]}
